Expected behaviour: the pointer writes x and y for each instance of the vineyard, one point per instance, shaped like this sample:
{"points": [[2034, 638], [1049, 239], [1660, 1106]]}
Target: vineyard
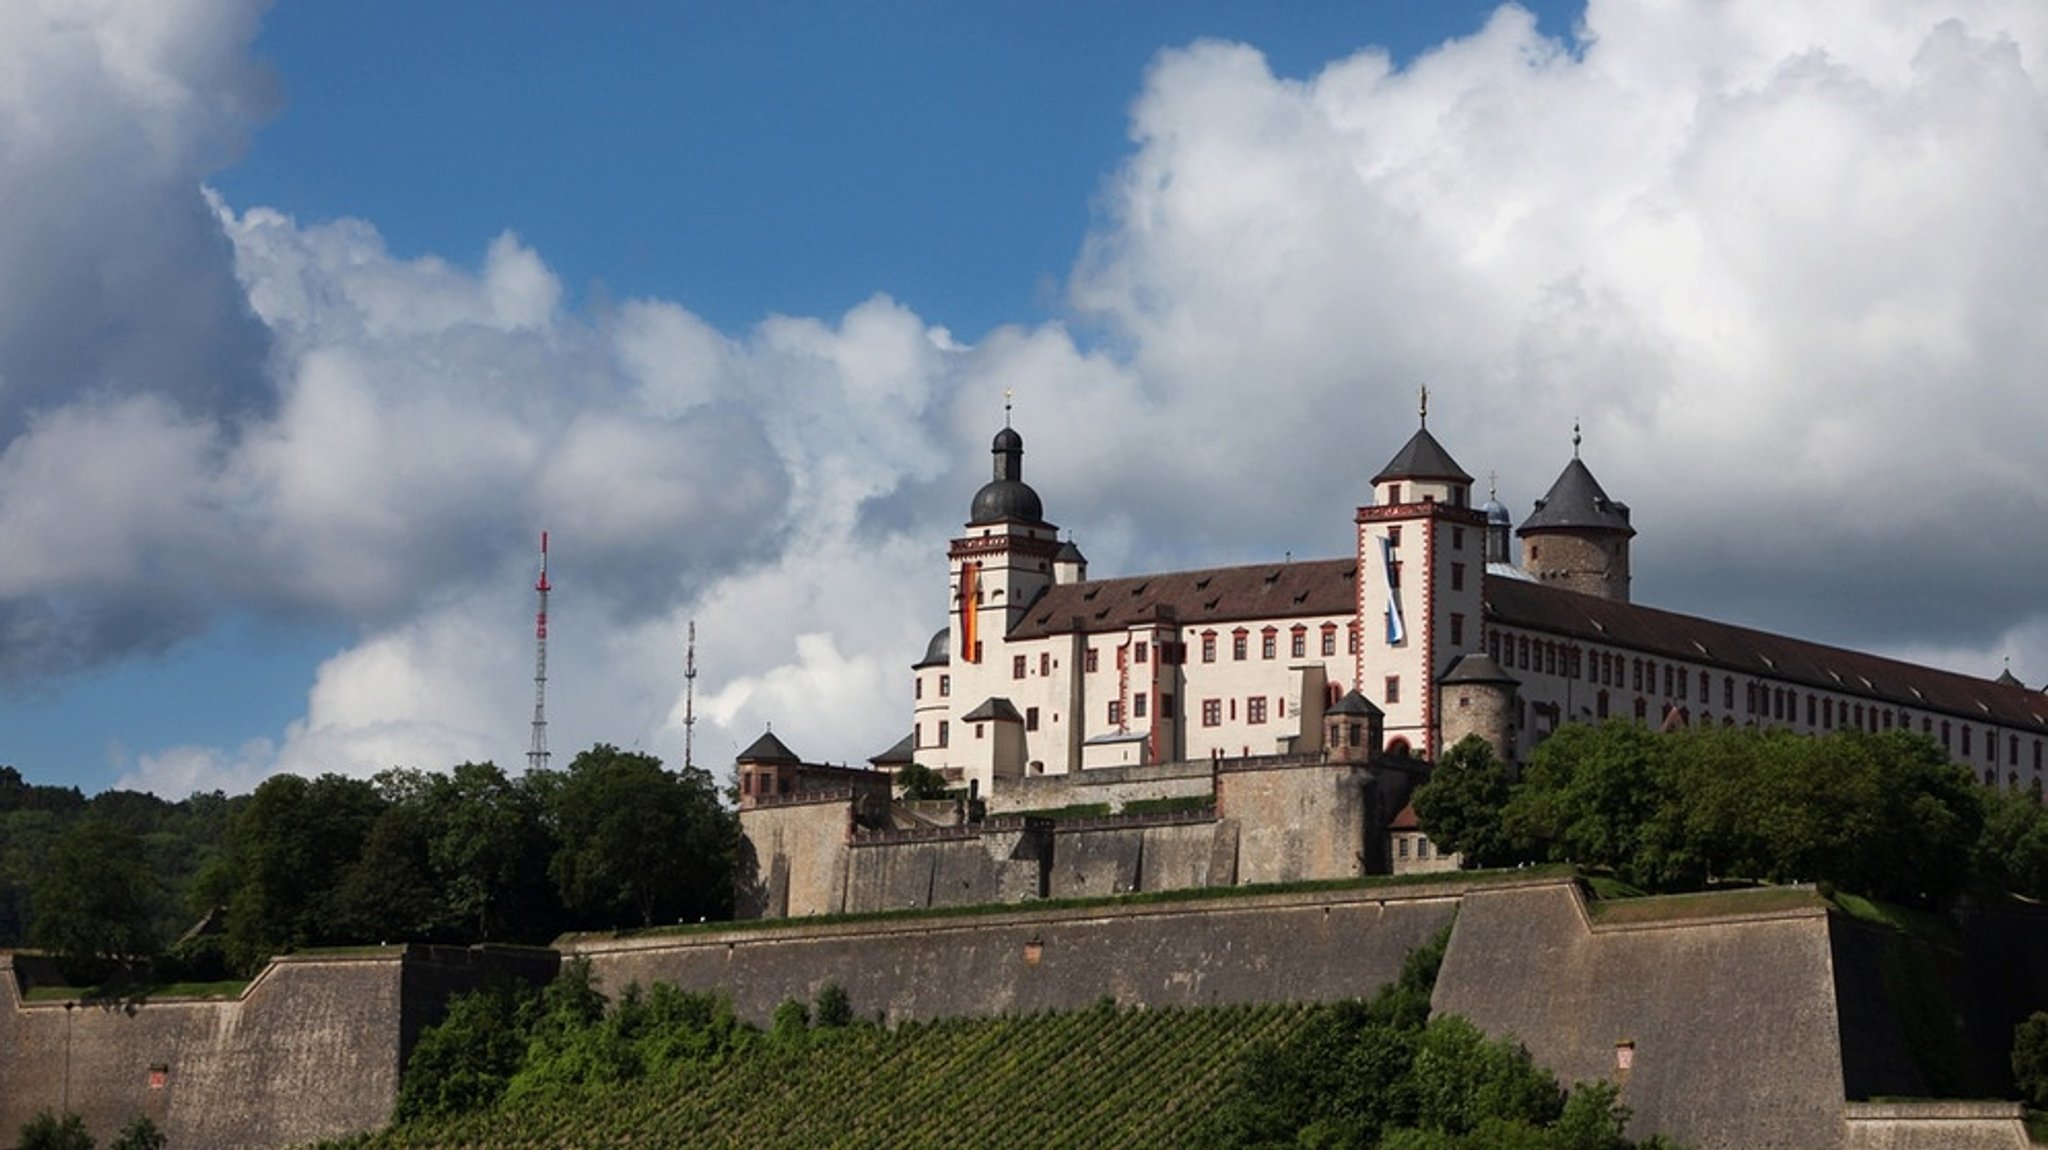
{"points": [[1093, 1078]]}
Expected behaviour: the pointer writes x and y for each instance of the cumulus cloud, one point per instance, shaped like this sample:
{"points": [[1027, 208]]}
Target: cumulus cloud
{"points": [[1777, 259]]}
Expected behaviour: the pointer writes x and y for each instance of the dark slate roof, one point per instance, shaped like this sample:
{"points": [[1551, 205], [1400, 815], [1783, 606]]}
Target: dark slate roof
{"points": [[2009, 679], [768, 749], [1217, 595], [1576, 502], [939, 650], [1068, 553], [1422, 458], [904, 751], [1739, 650], [1478, 667], [1354, 703], [994, 708]]}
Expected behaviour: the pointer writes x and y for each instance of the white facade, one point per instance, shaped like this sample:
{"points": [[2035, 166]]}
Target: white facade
{"points": [[1045, 671]]}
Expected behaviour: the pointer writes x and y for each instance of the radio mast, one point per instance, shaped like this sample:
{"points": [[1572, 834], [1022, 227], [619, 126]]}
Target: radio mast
{"points": [[537, 758], [690, 699]]}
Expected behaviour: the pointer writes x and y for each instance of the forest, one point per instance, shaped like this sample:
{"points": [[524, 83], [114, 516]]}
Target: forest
{"points": [[211, 886]]}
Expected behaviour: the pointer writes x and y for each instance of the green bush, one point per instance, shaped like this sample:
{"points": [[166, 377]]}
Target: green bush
{"points": [[2030, 1058], [832, 1008], [139, 1134], [47, 1131]]}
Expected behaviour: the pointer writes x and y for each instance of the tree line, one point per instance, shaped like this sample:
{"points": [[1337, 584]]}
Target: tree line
{"points": [[1885, 815], [470, 855]]}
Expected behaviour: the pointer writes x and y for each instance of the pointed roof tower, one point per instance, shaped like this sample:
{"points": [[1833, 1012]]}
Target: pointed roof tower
{"points": [[1422, 457], [1577, 537]]}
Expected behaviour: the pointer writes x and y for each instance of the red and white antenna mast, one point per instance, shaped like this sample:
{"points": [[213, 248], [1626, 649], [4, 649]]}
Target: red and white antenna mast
{"points": [[537, 758]]}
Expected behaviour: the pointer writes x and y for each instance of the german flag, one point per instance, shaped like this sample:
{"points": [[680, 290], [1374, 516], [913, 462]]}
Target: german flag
{"points": [[970, 591]]}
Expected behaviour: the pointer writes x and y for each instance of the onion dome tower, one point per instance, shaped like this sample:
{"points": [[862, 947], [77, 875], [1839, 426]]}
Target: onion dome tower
{"points": [[1578, 538], [1005, 560], [1500, 527]]}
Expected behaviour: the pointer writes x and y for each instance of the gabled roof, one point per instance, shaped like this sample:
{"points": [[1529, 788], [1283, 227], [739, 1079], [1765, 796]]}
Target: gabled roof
{"points": [[767, 749], [1740, 650], [1217, 595], [1576, 502], [1422, 458]]}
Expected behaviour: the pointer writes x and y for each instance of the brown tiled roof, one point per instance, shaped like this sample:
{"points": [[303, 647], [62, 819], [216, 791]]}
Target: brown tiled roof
{"points": [[1538, 607], [1406, 820], [1195, 598]]}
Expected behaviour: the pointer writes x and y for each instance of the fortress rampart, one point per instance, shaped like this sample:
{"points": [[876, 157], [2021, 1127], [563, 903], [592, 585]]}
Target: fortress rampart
{"points": [[1768, 1020], [311, 1049]]}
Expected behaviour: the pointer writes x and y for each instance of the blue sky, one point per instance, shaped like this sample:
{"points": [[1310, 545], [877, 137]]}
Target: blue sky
{"points": [[320, 314]]}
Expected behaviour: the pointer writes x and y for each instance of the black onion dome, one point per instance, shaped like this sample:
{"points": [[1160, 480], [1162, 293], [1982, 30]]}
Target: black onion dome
{"points": [[1006, 496]]}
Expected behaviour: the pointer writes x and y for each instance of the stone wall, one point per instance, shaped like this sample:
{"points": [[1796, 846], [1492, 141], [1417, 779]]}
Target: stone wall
{"points": [[793, 858], [1114, 786], [1729, 1025], [311, 1050], [1262, 948], [1299, 821]]}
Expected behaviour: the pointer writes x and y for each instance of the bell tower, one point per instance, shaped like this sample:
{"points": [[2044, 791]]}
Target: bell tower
{"points": [[1421, 566]]}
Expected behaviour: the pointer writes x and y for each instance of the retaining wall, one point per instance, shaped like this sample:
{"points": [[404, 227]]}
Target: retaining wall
{"points": [[1261, 948], [312, 1049]]}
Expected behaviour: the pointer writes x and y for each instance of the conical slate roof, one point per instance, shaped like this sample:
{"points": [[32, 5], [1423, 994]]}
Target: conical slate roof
{"points": [[768, 749], [1422, 458], [904, 751], [1576, 503], [1478, 668]]}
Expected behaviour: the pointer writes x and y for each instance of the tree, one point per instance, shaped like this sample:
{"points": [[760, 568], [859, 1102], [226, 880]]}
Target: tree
{"points": [[2030, 1058], [1589, 795], [139, 1134], [1460, 806], [288, 851], [47, 1131], [637, 840], [489, 850], [920, 782], [95, 901]]}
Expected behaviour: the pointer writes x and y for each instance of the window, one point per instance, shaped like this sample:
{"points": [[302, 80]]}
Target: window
{"points": [[1600, 706], [1457, 576], [1269, 644], [1706, 686], [1394, 496], [1404, 846], [1393, 694], [1457, 629], [1255, 709], [1728, 693], [1212, 712], [1240, 643], [1142, 647], [918, 691], [1394, 575], [1165, 706], [1329, 638], [1017, 667], [1966, 740], [1208, 646], [945, 685], [1116, 712], [944, 729], [1298, 643], [1638, 668], [1045, 662], [1138, 704], [1351, 639], [1031, 718], [1642, 709], [1457, 538], [1089, 661]]}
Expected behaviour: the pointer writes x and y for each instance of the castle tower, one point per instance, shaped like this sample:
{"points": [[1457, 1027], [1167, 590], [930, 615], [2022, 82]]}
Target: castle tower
{"points": [[1421, 566], [1500, 529], [1577, 538], [1005, 560], [1479, 698]]}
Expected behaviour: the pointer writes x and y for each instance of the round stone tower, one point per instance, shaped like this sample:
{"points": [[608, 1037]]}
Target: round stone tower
{"points": [[1479, 698], [1577, 538]]}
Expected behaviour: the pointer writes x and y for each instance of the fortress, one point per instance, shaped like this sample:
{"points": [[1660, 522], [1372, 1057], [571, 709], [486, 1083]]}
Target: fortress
{"points": [[1268, 723], [1219, 729]]}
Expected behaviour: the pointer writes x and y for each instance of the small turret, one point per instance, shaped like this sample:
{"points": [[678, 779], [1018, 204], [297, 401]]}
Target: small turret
{"points": [[1069, 565]]}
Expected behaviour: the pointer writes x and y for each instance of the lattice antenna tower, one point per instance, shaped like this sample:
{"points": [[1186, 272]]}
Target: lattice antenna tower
{"points": [[690, 699], [537, 758]]}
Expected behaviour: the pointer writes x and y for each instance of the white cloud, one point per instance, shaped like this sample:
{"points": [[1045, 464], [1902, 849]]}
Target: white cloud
{"points": [[1780, 260]]}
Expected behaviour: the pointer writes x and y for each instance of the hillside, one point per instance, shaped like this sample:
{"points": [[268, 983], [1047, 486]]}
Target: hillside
{"points": [[1095, 1078]]}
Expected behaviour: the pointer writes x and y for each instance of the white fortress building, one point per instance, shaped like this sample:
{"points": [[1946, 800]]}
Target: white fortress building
{"points": [[1430, 624]]}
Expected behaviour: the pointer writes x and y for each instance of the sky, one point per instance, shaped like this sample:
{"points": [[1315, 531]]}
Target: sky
{"points": [[313, 317]]}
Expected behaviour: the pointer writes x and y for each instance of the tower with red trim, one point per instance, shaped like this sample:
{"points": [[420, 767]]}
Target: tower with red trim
{"points": [[1421, 568]]}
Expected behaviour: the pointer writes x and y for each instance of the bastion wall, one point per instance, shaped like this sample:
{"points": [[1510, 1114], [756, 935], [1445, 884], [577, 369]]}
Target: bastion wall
{"points": [[311, 1049]]}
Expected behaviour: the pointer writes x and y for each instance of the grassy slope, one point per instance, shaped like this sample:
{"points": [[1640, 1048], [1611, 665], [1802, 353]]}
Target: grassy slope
{"points": [[1092, 1078]]}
